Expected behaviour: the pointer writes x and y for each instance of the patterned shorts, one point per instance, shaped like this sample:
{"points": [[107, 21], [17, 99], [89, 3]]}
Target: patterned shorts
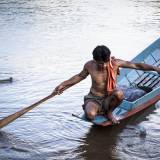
{"points": [[96, 99]]}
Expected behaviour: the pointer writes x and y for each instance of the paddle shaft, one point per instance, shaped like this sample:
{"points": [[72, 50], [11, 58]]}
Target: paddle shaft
{"points": [[14, 116]]}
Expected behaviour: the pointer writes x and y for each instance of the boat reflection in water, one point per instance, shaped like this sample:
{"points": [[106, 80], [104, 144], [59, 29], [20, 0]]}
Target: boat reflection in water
{"points": [[109, 142]]}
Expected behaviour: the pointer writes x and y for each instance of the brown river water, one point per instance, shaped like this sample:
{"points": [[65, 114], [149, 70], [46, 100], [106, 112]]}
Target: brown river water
{"points": [[44, 42]]}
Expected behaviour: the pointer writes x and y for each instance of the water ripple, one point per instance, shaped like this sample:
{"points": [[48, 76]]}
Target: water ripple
{"points": [[42, 43]]}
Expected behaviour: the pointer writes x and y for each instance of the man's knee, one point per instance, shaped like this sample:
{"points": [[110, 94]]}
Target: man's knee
{"points": [[91, 115], [119, 95], [91, 110]]}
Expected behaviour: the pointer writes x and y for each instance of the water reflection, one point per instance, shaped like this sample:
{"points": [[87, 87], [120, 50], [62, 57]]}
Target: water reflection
{"points": [[111, 142], [100, 143]]}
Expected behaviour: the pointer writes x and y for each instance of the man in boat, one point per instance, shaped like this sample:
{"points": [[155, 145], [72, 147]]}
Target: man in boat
{"points": [[103, 96]]}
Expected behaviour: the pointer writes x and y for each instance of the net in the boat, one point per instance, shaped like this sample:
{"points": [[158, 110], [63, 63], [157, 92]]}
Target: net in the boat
{"points": [[131, 93]]}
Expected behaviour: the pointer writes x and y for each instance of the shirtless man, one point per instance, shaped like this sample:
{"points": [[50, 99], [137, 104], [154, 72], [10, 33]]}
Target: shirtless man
{"points": [[100, 98]]}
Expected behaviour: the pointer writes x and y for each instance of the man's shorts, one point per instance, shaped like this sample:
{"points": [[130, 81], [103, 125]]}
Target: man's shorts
{"points": [[98, 100]]}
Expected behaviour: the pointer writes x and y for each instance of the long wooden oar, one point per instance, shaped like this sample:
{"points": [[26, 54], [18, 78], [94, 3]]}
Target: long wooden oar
{"points": [[14, 116]]}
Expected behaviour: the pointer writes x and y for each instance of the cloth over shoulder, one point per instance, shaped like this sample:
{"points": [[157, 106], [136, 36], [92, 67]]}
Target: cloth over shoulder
{"points": [[111, 76]]}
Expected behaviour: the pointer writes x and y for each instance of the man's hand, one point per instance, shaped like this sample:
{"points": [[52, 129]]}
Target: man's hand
{"points": [[59, 89], [158, 70]]}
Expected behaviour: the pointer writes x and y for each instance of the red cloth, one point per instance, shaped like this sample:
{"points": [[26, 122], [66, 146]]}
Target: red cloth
{"points": [[111, 77]]}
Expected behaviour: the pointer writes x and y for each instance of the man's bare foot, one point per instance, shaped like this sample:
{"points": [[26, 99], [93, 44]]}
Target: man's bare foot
{"points": [[112, 118]]}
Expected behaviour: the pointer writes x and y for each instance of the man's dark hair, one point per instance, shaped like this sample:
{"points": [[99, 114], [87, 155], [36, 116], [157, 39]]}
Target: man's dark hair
{"points": [[101, 53]]}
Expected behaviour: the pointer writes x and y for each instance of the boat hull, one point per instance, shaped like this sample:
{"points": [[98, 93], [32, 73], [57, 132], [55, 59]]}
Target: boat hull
{"points": [[132, 112]]}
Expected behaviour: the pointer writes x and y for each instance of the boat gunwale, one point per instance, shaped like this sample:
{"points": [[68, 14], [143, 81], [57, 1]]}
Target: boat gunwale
{"points": [[133, 111]]}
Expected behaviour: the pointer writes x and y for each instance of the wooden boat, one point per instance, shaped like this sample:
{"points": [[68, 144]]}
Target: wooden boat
{"points": [[141, 88], [6, 80]]}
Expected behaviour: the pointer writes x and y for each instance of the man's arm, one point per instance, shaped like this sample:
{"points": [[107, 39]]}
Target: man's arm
{"points": [[139, 66], [72, 81]]}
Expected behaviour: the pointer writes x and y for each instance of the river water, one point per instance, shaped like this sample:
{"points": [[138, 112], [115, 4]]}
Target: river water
{"points": [[42, 43]]}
